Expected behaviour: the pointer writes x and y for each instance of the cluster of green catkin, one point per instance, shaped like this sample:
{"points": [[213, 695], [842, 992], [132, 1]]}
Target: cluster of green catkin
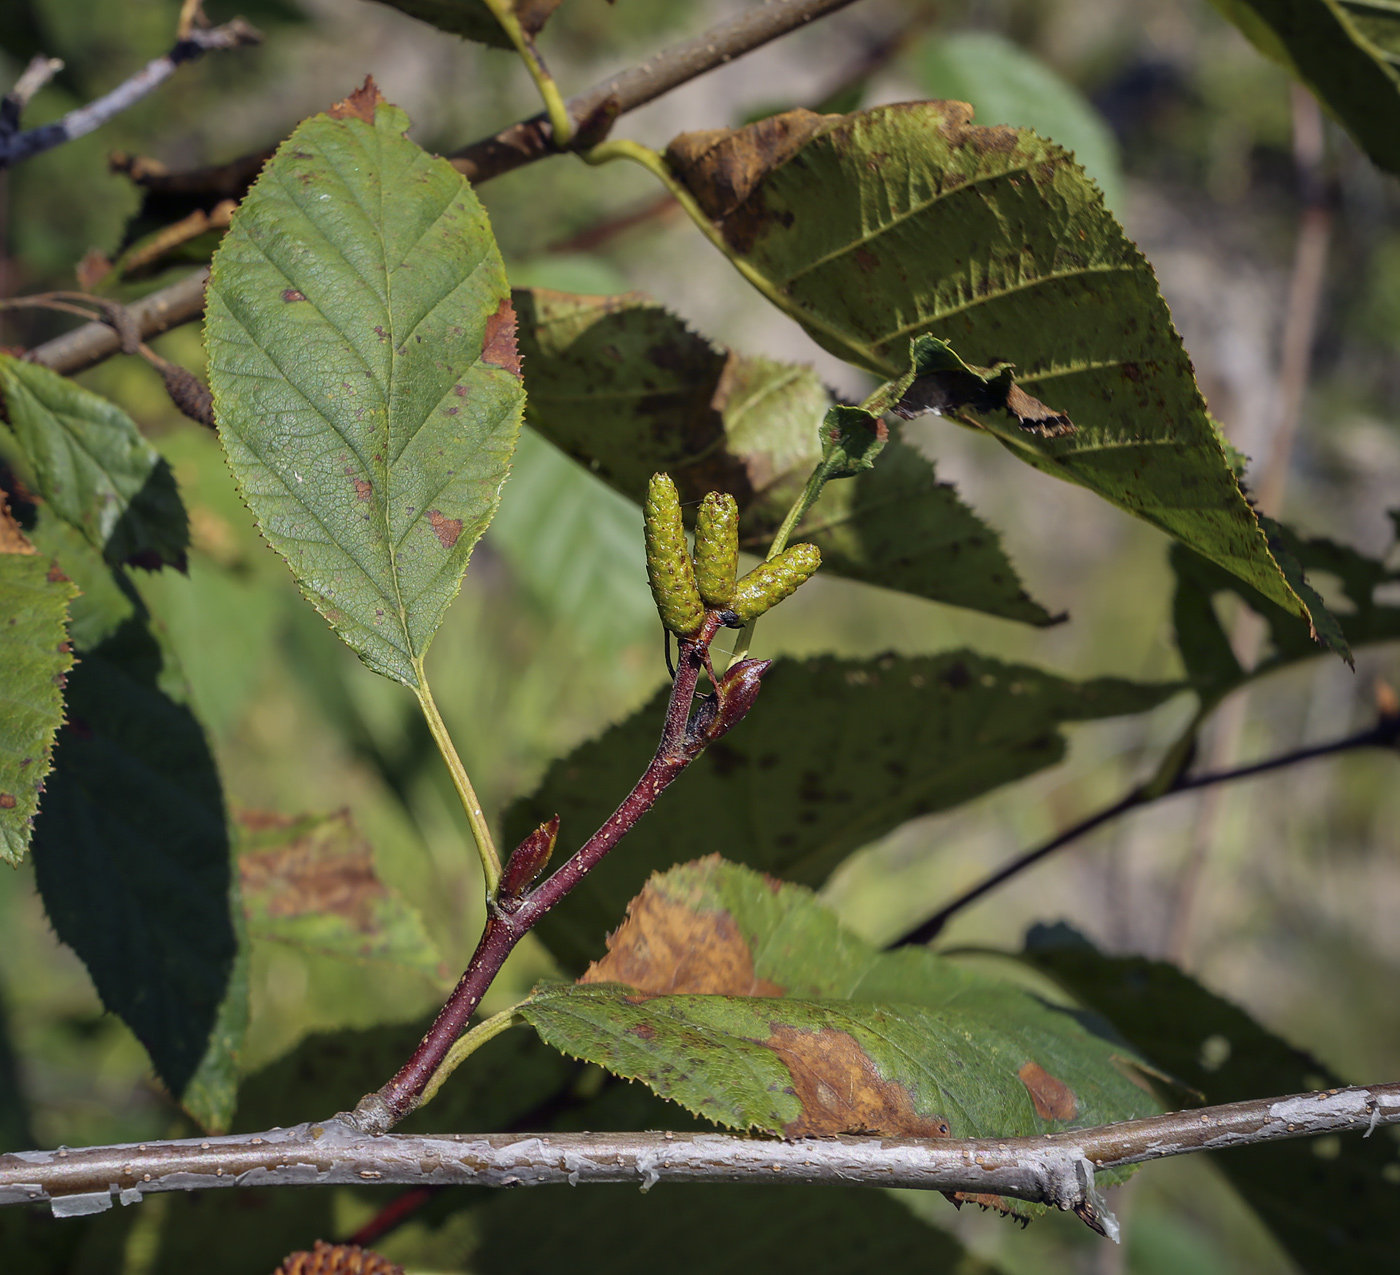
{"points": [[685, 588]]}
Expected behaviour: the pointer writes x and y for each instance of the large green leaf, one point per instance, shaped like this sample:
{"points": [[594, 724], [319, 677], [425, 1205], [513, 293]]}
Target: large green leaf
{"points": [[1204, 647], [474, 20], [836, 754], [34, 652], [1006, 85], [1330, 1211], [623, 386], [311, 882], [365, 376], [131, 850], [907, 220], [88, 461], [1346, 51], [759, 1011]]}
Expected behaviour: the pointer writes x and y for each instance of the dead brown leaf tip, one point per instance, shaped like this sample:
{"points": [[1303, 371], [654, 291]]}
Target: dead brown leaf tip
{"points": [[360, 104]]}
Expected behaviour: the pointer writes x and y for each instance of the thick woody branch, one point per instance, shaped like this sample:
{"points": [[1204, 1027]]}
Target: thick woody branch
{"points": [[1057, 1170], [593, 112], [232, 35]]}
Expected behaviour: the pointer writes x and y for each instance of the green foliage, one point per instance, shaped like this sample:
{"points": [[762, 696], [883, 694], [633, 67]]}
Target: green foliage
{"points": [[474, 20], [907, 220], [90, 464], [1347, 53], [759, 1011], [839, 753], [365, 376], [1219, 1051], [34, 652]]}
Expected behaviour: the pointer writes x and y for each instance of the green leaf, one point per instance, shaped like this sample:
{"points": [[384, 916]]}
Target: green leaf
{"points": [[88, 461], [759, 1011], [34, 652], [779, 1230], [365, 376], [1328, 1212], [837, 754], [474, 20], [1346, 51], [1006, 85], [625, 388], [1205, 648], [907, 220], [311, 882], [131, 851]]}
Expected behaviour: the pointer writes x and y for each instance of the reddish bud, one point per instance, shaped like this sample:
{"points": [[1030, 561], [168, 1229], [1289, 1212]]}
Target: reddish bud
{"points": [[726, 708], [528, 860]]}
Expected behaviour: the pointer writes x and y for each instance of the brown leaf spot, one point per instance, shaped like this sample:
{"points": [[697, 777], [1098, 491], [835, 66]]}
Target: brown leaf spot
{"points": [[12, 538], [328, 869], [445, 529], [292, 294], [1032, 415], [643, 1031], [841, 1091], [1052, 1098], [360, 104], [668, 946], [8, 801], [498, 347], [364, 489]]}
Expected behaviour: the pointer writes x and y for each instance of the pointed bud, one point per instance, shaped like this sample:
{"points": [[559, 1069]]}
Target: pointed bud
{"points": [[528, 860], [722, 711]]}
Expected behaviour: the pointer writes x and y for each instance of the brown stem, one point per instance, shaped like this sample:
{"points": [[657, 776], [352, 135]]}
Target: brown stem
{"points": [[522, 143], [1384, 734], [509, 920]]}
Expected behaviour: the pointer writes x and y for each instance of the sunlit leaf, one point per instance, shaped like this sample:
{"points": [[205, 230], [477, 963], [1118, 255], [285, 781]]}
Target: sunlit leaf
{"points": [[311, 882], [836, 754], [34, 652], [744, 1000], [908, 220], [1328, 1212], [93, 469], [622, 385], [365, 376]]}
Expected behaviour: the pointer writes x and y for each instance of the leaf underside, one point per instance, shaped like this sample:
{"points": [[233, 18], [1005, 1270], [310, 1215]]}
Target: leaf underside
{"points": [[365, 377], [623, 386], [841, 753], [744, 1000], [907, 220]]}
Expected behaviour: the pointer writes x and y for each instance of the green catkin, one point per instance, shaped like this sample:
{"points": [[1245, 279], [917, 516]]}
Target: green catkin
{"points": [[717, 549], [770, 582], [669, 569]]}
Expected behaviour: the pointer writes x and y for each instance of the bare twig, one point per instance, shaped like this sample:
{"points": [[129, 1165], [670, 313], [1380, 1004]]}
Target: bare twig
{"points": [[1384, 734], [1057, 1169], [77, 123], [520, 144], [38, 73]]}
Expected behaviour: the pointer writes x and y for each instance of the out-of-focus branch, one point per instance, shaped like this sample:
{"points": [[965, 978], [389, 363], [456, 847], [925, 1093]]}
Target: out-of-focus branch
{"points": [[38, 73], [1057, 1169], [593, 112], [20, 146]]}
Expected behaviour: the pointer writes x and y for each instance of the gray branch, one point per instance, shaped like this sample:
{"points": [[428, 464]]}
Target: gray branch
{"points": [[85, 119], [1057, 1170], [592, 110]]}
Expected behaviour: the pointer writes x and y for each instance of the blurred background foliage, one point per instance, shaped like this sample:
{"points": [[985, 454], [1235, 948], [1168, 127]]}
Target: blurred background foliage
{"points": [[1188, 132]]}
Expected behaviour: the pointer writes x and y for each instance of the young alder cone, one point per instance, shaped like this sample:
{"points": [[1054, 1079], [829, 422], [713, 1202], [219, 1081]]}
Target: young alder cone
{"points": [[669, 569], [770, 582], [717, 549]]}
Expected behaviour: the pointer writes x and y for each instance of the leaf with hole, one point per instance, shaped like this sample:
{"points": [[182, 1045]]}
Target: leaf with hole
{"points": [[89, 462], [841, 753], [365, 375], [746, 1001], [908, 220]]}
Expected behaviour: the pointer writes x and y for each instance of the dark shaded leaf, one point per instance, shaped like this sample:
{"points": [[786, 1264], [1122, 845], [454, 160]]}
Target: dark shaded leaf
{"points": [[744, 1000], [908, 220], [310, 881], [365, 375], [624, 387], [474, 20], [836, 754], [88, 461], [1329, 1212]]}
